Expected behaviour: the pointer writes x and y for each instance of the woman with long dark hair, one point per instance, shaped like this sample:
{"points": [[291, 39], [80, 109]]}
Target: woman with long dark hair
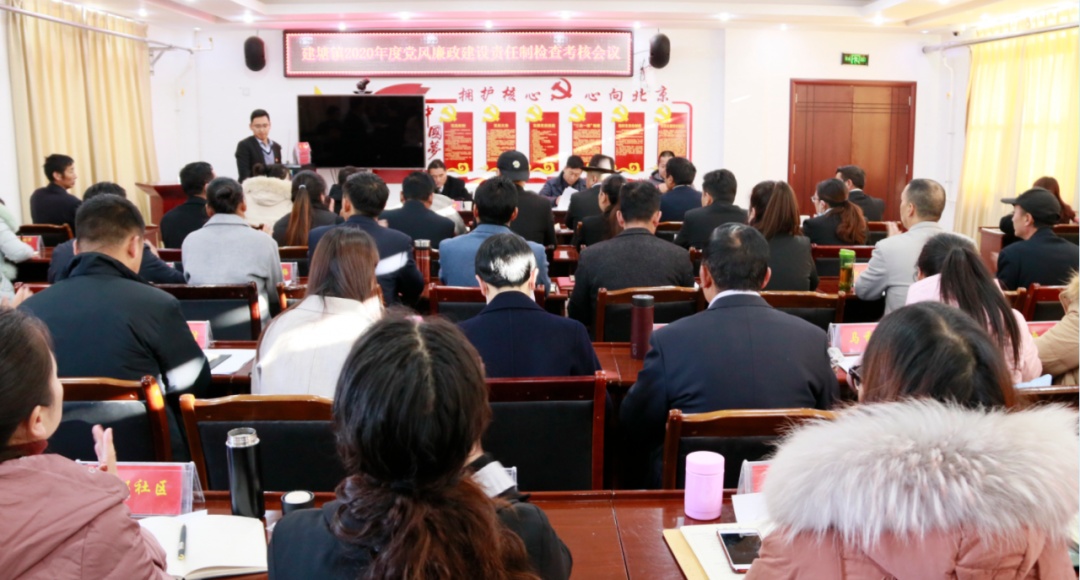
{"points": [[309, 210], [597, 228], [790, 259], [951, 271], [410, 409], [839, 222], [936, 470]]}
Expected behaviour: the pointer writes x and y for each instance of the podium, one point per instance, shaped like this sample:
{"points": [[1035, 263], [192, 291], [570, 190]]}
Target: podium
{"points": [[163, 197]]}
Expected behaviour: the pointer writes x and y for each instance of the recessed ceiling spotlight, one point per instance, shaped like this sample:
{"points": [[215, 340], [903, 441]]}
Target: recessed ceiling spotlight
{"points": [[488, 25], [405, 16], [637, 25], [564, 15], [197, 29], [724, 16], [783, 27], [341, 26], [925, 31], [249, 17], [878, 19], [143, 13]]}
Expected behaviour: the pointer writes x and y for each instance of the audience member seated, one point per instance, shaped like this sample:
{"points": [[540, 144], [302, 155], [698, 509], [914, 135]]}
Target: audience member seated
{"points": [[659, 177], [854, 179], [228, 251], [267, 194], [62, 520], [12, 251], [336, 190], [309, 210], [445, 207], [718, 190], [447, 185], [414, 218], [838, 222], [409, 413], [933, 476], [535, 221], [587, 203], [790, 260], [1059, 347], [634, 258], [495, 209], [951, 271], [680, 196], [191, 215], [569, 177], [53, 204], [514, 336], [1068, 215], [304, 348], [152, 269], [740, 353], [892, 265], [597, 228], [1041, 257]]}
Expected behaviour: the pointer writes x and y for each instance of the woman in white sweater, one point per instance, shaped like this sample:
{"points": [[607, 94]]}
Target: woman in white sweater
{"points": [[304, 348], [12, 251]]}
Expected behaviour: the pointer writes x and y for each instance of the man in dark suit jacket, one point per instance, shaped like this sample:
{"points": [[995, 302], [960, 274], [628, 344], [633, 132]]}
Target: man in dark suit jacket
{"points": [[258, 148], [535, 221], [854, 179], [634, 258], [514, 336], [718, 195], [191, 215], [681, 196], [586, 203], [738, 354], [415, 218], [1042, 257], [53, 204], [365, 197], [447, 185]]}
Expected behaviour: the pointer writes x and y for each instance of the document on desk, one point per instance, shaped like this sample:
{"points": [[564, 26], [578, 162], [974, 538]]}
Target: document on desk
{"points": [[563, 203], [214, 546], [698, 551], [231, 359]]}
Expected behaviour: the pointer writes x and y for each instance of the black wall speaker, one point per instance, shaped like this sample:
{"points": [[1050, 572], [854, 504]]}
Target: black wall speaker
{"points": [[255, 53], [659, 51]]}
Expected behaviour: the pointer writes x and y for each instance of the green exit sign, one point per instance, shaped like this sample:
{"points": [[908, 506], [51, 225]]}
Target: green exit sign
{"points": [[855, 59]]}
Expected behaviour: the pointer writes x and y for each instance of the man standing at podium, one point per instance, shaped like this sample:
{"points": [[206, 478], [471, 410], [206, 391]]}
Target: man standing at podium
{"points": [[258, 148]]}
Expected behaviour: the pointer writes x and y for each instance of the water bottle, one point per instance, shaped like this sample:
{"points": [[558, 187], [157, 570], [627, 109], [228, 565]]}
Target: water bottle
{"points": [[245, 473]]}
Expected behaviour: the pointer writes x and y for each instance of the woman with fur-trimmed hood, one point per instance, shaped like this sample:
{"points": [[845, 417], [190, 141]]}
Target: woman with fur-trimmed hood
{"points": [[268, 194], [936, 475]]}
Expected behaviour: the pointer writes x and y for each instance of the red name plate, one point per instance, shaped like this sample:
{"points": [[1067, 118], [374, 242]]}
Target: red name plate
{"points": [[156, 490], [33, 242], [757, 476], [851, 338], [1039, 328], [200, 329], [288, 272]]}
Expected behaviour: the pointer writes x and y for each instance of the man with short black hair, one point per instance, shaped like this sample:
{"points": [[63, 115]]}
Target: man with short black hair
{"points": [[568, 178], [514, 336], [53, 204], [534, 221], [681, 196], [495, 209], [415, 218], [191, 215], [586, 203], [718, 197], [659, 177], [365, 198], [258, 148], [634, 258], [854, 179], [740, 353], [446, 184], [1042, 257]]}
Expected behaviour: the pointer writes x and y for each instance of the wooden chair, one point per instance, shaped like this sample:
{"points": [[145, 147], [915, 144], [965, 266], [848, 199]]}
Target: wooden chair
{"points": [[289, 295], [298, 254], [51, 235], [1070, 232], [879, 231], [708, 431], [550, 429], [670, 304], [1068, 395], [1043, 303], [171, 255], [232, 309], [33, 287], [459, 303], [695, 258], [668, 230], [427, 260], [814, 307], [1016, 298], [296, 440], [827, 258], [135, 410]]}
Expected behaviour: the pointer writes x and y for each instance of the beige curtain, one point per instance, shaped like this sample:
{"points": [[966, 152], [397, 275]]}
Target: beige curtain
{"points": [[1023, 118], [81, 93]]}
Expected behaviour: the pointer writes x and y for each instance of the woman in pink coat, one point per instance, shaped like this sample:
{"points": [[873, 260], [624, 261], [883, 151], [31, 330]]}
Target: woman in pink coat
{"points": [[935, 475], [60, 519]]}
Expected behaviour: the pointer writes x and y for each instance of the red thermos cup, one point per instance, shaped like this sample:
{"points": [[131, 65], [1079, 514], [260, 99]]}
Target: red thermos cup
{"points": [[641, 323]]}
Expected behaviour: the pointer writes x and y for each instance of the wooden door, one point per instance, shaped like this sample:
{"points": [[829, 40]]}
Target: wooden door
{"points": [[864, 123]]}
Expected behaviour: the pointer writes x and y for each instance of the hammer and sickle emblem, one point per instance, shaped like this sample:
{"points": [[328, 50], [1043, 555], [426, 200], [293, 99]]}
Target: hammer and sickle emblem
{"points": [[663, 114], [560, 90], [535, 114], [491, 114], [448, 114], [621, 114], [577, 114]]}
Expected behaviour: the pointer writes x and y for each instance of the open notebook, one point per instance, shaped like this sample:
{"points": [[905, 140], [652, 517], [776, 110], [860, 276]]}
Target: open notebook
{"points": [[216, 545]]}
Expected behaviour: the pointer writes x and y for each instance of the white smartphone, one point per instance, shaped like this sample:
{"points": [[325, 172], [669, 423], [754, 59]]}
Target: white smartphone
{"points": [[741, 547]]}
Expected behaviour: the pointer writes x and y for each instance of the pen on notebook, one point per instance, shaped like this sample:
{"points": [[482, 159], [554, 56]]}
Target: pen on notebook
{"points": [[183, 543]]}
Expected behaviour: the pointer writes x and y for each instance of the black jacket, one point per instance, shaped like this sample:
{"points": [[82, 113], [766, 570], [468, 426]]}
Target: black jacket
{"points": [[698, 224], [249, 152], [1044, 258], [419, 222], [792, 264], [872, 208], [107, 322], [675, 203], [594, 229], [582, 205], [535, 221], [399, 278], [181, 220], [454, 188], [152, 269], [53, 204], [320, 216], [822, 230]]}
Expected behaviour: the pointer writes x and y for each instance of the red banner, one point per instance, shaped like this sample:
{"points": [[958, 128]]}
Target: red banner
{"points": [[673, 132], [458, 138], [501, 134], [543, 141], [587, 135], [629, 141]]}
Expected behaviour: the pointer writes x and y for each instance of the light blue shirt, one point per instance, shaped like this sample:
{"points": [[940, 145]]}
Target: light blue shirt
{"points": [[457, 257]]}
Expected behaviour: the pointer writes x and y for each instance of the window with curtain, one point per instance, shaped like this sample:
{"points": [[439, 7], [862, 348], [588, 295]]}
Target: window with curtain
{"points": [[1023, 117]]}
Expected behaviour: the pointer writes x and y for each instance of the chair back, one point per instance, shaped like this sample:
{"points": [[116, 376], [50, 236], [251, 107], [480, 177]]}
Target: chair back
{"points": [[1017, 299], [816, 308], [51, 235], [296, 439], [1063, 394], [550, 429], [289, 295], [1070, 232], [174, 255], [668, 230], [877, 231], [1043, 303], [298, 254], [460, 303], [827, 258], [695, 258], [738, 435], [134, 410], [232, 309], [670, 303]]}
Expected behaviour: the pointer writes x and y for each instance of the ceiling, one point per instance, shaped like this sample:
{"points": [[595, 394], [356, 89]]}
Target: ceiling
{"points": [[936, 16]]}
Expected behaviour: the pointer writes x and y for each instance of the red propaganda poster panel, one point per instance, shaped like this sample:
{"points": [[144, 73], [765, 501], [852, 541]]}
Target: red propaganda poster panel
{"points": [[458, 141], [630, 142], [673, 134], [587, 135], [501, 134], [543, 141]]}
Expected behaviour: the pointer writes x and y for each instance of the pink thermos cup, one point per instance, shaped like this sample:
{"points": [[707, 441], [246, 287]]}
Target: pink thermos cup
{"points": [[704, 494]]}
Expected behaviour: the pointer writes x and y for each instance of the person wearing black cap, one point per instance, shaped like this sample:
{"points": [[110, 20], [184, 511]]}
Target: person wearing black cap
{"points": [[1042, 257], [534, 221], [587, 203]]}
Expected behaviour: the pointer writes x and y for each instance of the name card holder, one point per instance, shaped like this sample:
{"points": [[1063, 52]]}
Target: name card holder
{"points": [[288, 273], [851, 338], [158, 489], [752, 476], [1040, 328], [200, 329], [34, 242]]}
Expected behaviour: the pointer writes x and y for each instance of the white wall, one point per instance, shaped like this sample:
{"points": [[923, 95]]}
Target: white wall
{"points": [[9, 168]]}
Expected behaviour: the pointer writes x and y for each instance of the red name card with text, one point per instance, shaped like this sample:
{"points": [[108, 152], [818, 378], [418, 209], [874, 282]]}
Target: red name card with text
{"points": [[1038, 329], [153, 489], [288, 273], [851, 338], [34, 242], [752, 476], [200, 329]]}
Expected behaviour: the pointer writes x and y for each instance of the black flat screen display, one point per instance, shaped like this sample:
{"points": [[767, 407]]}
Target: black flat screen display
{"points": [[370, 131]]}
